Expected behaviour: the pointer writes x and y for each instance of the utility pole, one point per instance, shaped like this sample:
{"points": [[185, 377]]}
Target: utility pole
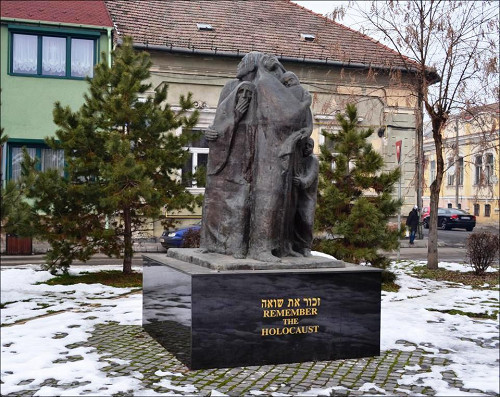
{"points": [[457, 152], [419, 160]]}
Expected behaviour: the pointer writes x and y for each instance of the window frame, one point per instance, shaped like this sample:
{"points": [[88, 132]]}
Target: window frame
{"points": [[489, 168], [194, 151], [432, 171], [450, 176], [40, 33], [459, 171], [487, 210], [478, 170], [477, 209], [36, 144]]}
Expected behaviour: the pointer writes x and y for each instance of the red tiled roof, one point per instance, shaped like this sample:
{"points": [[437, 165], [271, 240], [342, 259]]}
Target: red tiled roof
{"points": [[272, 26], [88, 12]]}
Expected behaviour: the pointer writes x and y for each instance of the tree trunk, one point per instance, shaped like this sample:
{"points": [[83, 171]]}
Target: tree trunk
{"points": [[432, 251], [432, 246], [128, 251]]}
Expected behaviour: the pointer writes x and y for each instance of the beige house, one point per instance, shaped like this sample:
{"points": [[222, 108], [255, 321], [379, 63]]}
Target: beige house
{"points": [[471, 153], [196, 46]]}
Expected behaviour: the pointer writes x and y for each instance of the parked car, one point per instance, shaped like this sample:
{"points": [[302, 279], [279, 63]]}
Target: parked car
{"points": [[452, 218], [175, 238]]}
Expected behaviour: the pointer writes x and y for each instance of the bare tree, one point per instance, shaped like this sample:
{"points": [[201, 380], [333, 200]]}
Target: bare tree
{"points": [[451, 49]]}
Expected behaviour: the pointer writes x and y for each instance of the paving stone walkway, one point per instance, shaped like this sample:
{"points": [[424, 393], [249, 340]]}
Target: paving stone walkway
{"points": [[129, 351]]}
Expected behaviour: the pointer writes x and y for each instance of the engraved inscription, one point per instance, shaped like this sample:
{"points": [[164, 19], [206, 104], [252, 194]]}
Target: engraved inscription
{"points": [[290, 311]]}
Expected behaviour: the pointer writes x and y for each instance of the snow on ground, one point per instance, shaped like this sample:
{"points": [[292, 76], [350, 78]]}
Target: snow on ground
{"points": [[31, 349], [411, 315]]}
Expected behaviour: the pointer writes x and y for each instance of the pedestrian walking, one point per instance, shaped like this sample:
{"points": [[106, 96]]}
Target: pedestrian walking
{"points": [[412, 223]]}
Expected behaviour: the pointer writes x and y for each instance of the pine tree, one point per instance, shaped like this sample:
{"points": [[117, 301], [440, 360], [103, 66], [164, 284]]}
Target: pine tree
{"points": [[354, 195], [121, 164]]}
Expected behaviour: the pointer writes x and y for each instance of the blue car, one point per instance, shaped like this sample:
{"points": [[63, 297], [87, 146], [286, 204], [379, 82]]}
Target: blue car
{"points": [[175, 238]]}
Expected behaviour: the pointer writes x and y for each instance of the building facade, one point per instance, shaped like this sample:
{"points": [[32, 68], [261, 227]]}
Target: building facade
{"points": [[196, 46], [471, 143], [47, 50]]}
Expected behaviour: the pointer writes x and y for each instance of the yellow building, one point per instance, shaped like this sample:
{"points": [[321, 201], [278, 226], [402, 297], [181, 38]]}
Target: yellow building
{"points": [[471, 151]]}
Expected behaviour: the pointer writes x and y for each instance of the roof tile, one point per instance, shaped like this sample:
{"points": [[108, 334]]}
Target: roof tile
{"points": [[89, 12], [243, 26]]}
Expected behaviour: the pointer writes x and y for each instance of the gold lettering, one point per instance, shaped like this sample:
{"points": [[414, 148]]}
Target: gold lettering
{"points": [[304, 329], [270, 303]]}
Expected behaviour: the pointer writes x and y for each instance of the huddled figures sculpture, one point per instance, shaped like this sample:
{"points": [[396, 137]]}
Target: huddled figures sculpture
{"points": [[261, 175]]}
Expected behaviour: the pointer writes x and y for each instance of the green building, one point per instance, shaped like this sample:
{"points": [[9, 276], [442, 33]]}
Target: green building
{"points": [[47, 50]]}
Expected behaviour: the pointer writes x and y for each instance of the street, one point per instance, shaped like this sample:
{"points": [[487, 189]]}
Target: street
{"points": [[455, 237], [451, 247]]}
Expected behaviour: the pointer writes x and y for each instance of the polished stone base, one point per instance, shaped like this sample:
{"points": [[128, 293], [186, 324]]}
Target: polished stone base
{"points": [[216, 261], [214, 319]]}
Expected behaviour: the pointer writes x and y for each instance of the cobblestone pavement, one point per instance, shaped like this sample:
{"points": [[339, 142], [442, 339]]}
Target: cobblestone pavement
{"points": [[106, 344], [130, 351]]}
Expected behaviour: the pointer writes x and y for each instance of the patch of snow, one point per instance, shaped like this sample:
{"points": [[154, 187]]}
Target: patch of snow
{"points": [[317, 253], [39, 321]]}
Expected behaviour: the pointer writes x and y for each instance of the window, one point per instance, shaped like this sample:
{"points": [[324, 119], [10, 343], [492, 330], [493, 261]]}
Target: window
{"points": [[198, 158], [451, 172], [52, 55], [204, 26], [478, 164], [459, 206], [487, 210], [24, 54], [48, 158], [450, 205], [476, 209], [327, 141], [307, 37], [433, 172], [459, 172], [489, 169]]}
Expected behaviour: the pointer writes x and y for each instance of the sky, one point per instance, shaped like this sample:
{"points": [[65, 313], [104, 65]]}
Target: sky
{"points": [[325, 7], [33, 349], [435, 55]]}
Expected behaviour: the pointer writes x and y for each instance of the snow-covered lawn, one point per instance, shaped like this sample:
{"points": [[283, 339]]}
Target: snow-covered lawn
{"points": [[39, 322]]}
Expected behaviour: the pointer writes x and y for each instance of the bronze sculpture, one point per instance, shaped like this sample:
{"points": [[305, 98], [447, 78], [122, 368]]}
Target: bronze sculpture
{"points": [[255, 200]]}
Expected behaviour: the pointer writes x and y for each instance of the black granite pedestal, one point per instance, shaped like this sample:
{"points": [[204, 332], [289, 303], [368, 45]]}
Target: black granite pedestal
{"points": [[226, 318]]}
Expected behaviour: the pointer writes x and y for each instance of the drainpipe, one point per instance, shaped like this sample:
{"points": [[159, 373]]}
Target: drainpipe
{"points": [[110, 43]]}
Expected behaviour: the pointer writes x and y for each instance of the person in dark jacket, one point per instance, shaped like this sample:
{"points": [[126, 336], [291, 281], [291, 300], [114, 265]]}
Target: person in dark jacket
{"points": [[412, 223]]}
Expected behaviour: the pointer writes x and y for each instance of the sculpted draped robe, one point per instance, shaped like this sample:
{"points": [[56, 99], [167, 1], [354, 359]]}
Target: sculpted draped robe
{"points": [[280, 115], [226, 208]]}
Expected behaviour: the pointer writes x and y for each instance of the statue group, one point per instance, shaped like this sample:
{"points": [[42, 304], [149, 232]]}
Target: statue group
{"points": [[262, 177]]}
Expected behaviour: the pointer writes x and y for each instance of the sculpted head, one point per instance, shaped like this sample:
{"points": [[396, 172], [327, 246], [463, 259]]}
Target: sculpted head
{"points": [[248, 66], [273, 66], [245, 90], [290, 79], [307, 147]]}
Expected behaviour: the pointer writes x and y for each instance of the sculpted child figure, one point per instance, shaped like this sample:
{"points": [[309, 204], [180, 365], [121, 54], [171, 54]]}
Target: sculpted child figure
{"points": [[305, 181]]}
